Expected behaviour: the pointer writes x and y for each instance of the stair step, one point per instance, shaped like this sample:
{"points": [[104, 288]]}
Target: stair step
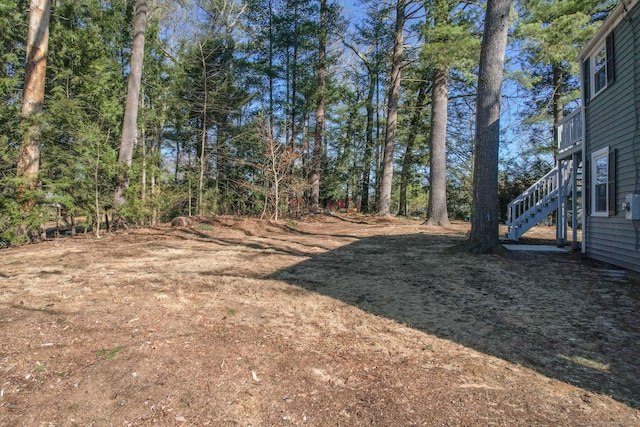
{"points": [[540, 200]]}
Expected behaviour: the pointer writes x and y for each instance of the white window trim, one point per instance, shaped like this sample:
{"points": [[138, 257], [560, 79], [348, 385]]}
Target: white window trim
{"points": [[592, 69], [603, 152]]}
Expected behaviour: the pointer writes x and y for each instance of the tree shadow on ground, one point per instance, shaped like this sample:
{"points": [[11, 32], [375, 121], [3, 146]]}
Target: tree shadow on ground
{"points": [[547, 312]]}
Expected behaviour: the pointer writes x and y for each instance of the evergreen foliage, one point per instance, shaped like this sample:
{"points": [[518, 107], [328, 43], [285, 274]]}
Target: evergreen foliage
{"points": [[550, 35], [226, 81]]}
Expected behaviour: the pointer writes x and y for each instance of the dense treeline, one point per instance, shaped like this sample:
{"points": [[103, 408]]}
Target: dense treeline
{"points": [[274, 107]]}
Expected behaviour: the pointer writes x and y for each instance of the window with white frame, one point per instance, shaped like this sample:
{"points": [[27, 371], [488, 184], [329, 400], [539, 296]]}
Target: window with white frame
{"points": [[599, 64], [599, 68], [600, 182]]}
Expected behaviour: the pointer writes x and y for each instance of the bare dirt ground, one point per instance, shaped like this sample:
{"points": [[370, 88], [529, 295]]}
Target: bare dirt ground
{"points": [[326, 321]]}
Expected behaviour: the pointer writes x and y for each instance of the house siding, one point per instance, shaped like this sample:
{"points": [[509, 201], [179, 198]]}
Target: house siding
{"points": [[611, 121]]}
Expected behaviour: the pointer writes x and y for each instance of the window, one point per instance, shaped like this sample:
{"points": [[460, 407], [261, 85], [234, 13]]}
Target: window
{"points": [[603, 187], [599, 71], [600, 174]]}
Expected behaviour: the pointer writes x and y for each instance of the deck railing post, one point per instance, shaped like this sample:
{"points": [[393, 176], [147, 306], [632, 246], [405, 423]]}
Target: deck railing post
{"points": [[559, 231]]}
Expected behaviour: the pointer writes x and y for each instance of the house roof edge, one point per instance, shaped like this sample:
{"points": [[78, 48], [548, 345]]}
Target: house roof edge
{"points": [[614, 18]]}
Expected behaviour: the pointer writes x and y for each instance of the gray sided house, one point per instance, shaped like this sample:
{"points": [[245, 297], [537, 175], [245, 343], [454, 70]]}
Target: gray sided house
{"points": [[596, 182], [611, 155]]}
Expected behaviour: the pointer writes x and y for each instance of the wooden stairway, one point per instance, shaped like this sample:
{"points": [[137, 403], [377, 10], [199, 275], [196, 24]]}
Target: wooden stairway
{"points": [[538, 201]]}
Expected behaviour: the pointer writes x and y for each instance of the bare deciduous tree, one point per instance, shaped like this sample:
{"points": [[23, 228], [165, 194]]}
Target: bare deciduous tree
{"points": [[279, 160]]}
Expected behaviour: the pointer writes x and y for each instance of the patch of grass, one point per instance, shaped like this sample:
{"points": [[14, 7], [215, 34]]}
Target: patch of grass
{"points": [[291, 224], [205, 227], [427, 347], [40, 367], [108, 354], [231, 312], [593, 364]]}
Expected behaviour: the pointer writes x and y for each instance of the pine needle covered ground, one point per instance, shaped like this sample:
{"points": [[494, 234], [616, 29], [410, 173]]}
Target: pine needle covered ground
{"points": [[353, 321]]}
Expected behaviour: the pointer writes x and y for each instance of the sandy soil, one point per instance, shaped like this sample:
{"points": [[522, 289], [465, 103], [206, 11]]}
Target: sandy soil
{"points": [[327, 321]]}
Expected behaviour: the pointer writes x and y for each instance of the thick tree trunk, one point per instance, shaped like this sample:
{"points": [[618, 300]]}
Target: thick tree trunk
{"points": [[485, 216], [368, 146], [34, 82], [437, 213], [130, 124], [407, 160], [317, 146], [386, 184]]}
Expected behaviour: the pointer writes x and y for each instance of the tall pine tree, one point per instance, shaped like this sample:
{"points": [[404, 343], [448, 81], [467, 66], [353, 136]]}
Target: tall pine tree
{"points": [[485, 217]]}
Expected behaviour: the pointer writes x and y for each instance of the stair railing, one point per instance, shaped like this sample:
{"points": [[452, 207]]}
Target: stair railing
{"points": [[531, 201], [569, 131]]}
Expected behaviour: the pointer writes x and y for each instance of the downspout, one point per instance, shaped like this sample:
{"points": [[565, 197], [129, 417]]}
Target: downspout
{"points": [[574, 201], [585, 173], [559, 201]]}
